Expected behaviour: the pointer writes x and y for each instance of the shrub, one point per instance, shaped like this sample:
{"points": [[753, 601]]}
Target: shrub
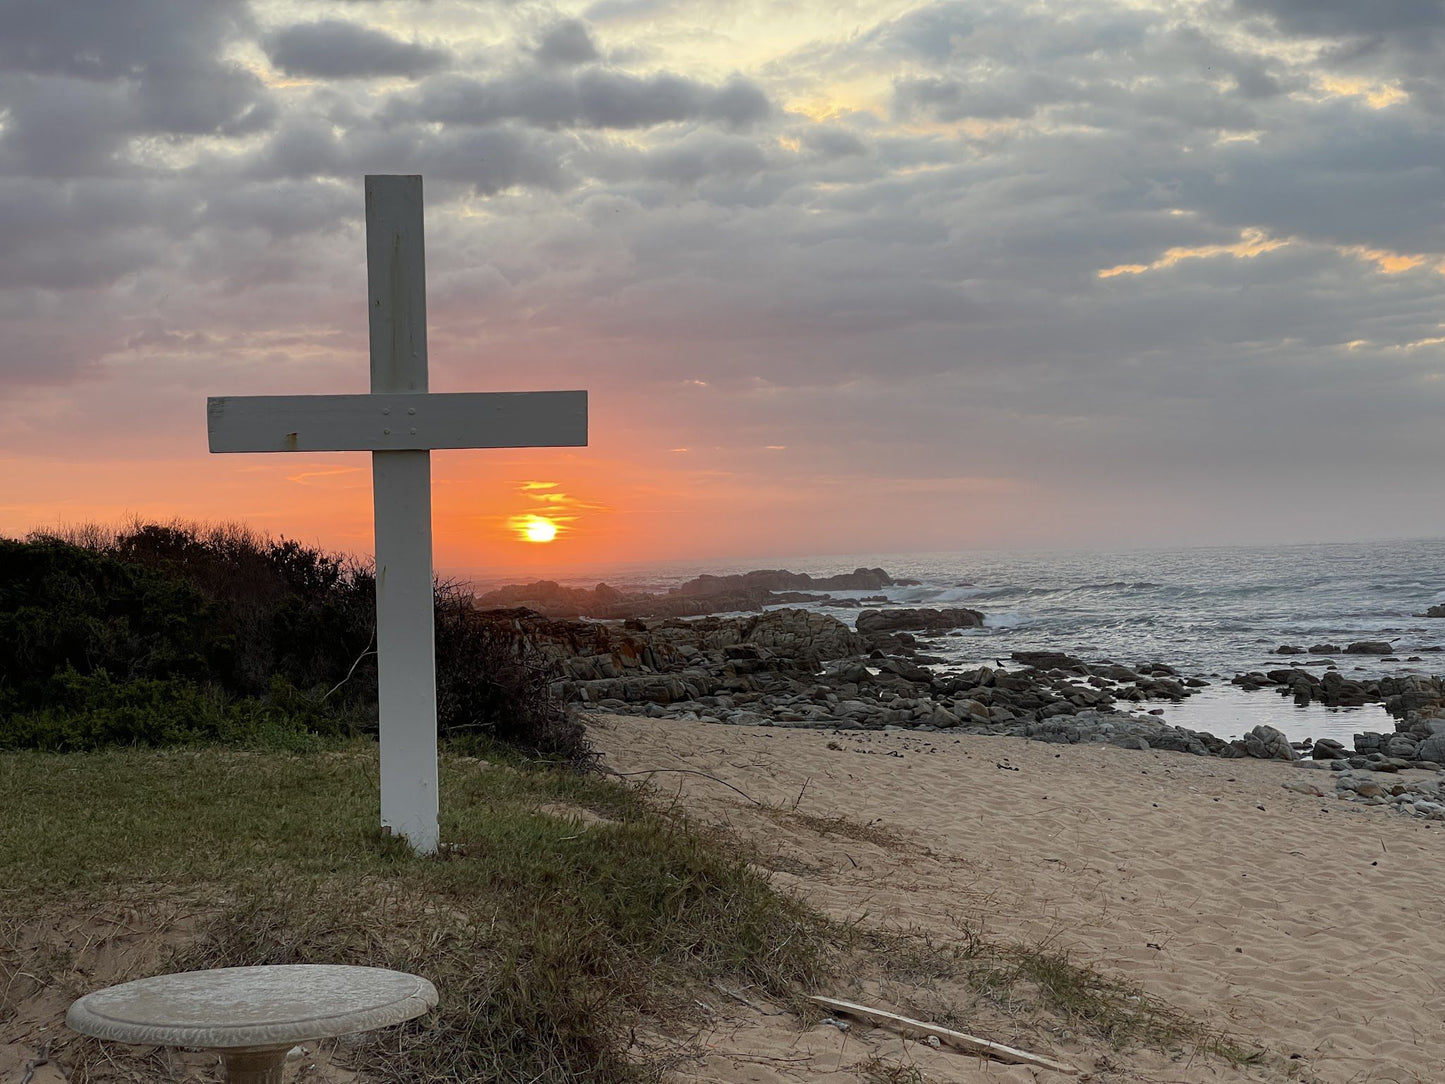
{"points": [[87, 711], [172, 634], [65, 609], [290, 609], [491, 686]]}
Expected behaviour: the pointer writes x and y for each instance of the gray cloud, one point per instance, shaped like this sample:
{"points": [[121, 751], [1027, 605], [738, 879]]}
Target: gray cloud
{"points": [[591, 98], [1332, 18], [113, 41], [567, 43], [79, 81], [483, 161], [831, 142], [58, 127], [625, 10], [200, 100], [912, 291], [336, 49], [704, 156], [282, 209], [993, 99]]}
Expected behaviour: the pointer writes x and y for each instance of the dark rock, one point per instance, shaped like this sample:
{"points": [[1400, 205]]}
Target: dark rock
{"points": [[1267, 743], [873, 622], [1050, 660], [1158, 669], [1400, 746], [905, 669], [1369, 647], [1432, 748], [1164, 689]]}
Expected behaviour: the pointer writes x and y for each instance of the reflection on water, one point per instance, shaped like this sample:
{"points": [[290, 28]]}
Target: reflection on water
{"points": [[1226, 711]]}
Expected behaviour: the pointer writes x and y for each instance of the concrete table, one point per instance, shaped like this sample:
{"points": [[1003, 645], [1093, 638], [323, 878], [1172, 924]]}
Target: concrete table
{"points": [[252, 1016]]}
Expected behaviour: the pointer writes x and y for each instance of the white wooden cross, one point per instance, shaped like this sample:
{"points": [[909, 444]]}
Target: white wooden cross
{"points": [[399, 423]]}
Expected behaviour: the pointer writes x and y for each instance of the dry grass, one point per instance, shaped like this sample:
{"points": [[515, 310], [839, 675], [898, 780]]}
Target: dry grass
{"points": [[548, 939], [846, 827], [950, 978], [551, 936]]}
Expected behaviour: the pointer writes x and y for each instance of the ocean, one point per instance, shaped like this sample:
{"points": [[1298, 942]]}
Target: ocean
{"points": [[1210, 612]]}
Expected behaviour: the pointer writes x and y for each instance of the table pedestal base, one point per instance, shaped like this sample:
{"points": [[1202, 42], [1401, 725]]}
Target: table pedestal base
{"points": [[256, 1066]]}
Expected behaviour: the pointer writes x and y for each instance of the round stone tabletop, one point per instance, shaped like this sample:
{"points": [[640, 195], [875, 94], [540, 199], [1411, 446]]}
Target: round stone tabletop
{"points": [[231, 1008]]}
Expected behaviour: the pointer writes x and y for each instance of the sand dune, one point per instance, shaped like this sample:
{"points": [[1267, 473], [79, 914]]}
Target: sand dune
{"points": [[1306, 925]]}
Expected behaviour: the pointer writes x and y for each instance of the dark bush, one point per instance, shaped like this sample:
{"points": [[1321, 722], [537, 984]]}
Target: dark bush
{"points": [[86, 711], [159, 635], [490, 686], [172, 634], [290, 609], [65, 609]]}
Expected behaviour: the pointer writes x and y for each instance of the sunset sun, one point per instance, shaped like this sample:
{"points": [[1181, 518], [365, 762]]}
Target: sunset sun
{"points": [[538, 529]]}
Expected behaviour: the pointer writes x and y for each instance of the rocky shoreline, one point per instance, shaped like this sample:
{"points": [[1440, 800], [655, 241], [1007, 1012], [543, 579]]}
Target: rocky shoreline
{"points": [[671, 656], [748, 591], [793, 667]]}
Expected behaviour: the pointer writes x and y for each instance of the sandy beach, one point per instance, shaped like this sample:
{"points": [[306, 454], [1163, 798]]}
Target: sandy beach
{"points": [[1304, 925]]}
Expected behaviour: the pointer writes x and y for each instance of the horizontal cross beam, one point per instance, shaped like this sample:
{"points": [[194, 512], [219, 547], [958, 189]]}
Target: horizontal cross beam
{"points": [[398, 422]]}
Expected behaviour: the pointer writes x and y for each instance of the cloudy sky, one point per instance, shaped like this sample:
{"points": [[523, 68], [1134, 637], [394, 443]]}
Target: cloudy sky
{"points": [[841, 277]]}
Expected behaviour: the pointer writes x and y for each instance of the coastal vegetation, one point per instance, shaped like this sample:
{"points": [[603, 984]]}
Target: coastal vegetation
{"points": [[186, 717], [572, 924], [565, 911], [166, 634]]}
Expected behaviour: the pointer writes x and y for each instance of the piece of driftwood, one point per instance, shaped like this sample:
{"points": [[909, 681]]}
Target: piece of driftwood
{"points": [[956, 1039]]}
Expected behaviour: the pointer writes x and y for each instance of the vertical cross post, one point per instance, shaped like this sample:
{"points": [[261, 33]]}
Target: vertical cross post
{"points": [[401, 497], [399, 422]]}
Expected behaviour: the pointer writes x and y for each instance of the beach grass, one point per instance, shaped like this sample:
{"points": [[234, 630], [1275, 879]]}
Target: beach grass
{"points": [[564, 909], [1030, 980], [566, 913]]}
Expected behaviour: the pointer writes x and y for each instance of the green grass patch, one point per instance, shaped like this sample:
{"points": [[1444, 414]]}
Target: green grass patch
{"points": [[566, 909], [549, 936]]}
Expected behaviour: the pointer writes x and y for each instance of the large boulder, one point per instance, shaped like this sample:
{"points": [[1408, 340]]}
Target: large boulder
{"points": [[1369, 647], [1432, 748], [1057, 660], [874, 622], [1267, 743], [801, 634]]}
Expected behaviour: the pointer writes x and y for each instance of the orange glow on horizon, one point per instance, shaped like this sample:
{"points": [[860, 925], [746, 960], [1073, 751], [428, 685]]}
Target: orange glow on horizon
{"points": [[608, 511]]}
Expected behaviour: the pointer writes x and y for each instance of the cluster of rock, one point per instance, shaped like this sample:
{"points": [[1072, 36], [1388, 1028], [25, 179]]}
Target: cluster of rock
{"points": [[1359, 647], [796, 668], [704, 595], [1400, 694], [1373, 778], [1367, 773]]}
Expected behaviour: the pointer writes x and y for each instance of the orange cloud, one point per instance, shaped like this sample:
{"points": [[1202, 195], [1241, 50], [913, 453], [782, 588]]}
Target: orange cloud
{"points": [[1252, 242]]}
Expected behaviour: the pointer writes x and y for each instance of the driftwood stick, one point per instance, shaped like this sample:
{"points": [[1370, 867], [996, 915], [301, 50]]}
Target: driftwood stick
{"points": [[956, 1039]]}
